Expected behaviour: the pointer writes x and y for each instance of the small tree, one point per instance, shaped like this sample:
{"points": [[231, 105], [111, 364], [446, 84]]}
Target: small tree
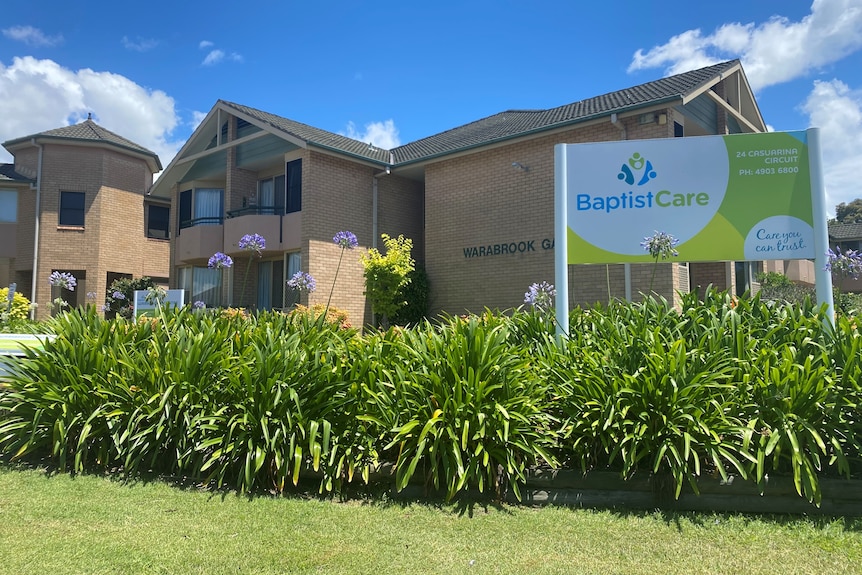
{"points": [[386, 275], [849, 213]]}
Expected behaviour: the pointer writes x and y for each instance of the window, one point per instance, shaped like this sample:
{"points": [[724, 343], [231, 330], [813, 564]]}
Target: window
{"points": [[270, 284], [283, 193], [201, 207], [158, 220], [8, 206], [293, 170], [746, 274], [270, 196], [72, 209], [201, 284]]}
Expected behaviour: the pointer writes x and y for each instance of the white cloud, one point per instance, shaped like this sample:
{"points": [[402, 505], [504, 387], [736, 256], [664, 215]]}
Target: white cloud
{"points": [[837, 110], [40, 95], [31, 36], [141, 45], [381, 134], [216, 56], [197, 118], [772, 52]]}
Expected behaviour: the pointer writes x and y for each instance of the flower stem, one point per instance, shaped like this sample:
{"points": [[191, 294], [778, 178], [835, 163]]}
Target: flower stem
{"points": [[608, 277], [332, 289], [245, 281], [652, 277]]}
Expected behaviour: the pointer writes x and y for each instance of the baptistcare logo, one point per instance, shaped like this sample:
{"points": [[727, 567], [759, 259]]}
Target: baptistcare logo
{"points": [[637, 168]]}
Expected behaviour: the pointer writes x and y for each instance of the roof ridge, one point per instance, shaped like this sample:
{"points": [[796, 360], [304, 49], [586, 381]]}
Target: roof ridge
{"points": [[643, 94], [313, 134]]}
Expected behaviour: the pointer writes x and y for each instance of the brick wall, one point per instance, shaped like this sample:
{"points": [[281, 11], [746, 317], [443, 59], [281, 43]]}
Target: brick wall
{"points": [[480, 199], [336, 196], [704, 274], [113, 238], [400, 210]]}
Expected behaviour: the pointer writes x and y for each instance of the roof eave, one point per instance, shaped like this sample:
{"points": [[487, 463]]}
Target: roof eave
{"points": [[151, 158]]}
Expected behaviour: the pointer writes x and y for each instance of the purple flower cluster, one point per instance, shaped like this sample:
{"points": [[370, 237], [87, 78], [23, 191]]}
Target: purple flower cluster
{"points": [[846, 264], [302, 281], [199, 305], [345, 240], [541, 296], [661, 245], [118, 295], [219, 261], [252, 243], [64, 280]]}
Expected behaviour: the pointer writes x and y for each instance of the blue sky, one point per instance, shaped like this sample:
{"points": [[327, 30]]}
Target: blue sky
{"points": [[393, 72]]}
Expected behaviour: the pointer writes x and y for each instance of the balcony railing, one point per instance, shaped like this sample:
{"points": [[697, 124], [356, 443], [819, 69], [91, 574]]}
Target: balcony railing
{"points": [[206, 221], [256, 211]]}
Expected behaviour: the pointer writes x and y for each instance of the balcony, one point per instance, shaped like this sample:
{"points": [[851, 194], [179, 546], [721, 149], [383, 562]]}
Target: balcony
{"points": [[199, 239], [282, 232]]}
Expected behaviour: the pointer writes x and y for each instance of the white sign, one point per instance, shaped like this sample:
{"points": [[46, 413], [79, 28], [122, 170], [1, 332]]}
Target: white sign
{"points": [[174, 298]]}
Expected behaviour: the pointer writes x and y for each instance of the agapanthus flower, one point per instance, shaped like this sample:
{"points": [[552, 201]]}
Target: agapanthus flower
{"points": [[661, 245], [64, 280], [199, 305], [302, 281], [118, 295], [541, 296], [846, 264], [346, 240], [252, 243], [219, 261]]}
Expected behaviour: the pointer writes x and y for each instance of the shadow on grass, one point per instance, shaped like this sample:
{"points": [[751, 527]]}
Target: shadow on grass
{"points": [[382, 494]]}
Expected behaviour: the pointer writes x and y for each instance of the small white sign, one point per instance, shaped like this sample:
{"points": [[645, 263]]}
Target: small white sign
{"points": [[174, 298]]}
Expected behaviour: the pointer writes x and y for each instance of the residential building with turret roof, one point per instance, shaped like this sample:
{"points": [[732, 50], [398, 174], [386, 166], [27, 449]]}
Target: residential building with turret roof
{"points": [[75, 200]]}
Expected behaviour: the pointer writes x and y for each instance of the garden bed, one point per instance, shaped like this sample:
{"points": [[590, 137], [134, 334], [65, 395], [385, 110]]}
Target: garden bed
{"points": [[604, 489]]}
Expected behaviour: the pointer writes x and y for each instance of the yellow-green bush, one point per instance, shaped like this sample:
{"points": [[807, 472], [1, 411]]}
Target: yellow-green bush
{"points": [[20, 305]]}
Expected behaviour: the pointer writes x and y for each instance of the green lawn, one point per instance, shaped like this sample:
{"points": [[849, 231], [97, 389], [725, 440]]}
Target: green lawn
{"points": [[87, 524]]}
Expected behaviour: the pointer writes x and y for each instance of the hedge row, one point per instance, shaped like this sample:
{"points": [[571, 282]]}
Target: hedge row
{"points": [[721, 386]]}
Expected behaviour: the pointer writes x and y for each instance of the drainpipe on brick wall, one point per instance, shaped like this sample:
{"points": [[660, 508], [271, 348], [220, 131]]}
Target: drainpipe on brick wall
{"points": [[627, 268], [36, 226]]}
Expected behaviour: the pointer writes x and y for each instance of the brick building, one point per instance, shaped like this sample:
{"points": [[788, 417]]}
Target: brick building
{"points": [[487, 183], [74, 200]]}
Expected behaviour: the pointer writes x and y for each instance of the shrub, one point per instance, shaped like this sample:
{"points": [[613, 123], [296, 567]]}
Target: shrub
{"points": [[720, 386], [470, 410], [334, 315], [387, 274], [20, 309], [416, 293], [119, 298], [778, 287]]}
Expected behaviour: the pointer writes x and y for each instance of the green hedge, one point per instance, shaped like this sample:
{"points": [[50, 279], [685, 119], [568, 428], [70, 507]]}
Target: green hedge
{"points": [[720, 386]]}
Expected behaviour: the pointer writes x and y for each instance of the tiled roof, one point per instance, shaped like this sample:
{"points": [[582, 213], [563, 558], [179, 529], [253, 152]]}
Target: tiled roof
{"points": [[314, 135], [841, 231], [87, 130], [8, 173], [515, 123]]}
